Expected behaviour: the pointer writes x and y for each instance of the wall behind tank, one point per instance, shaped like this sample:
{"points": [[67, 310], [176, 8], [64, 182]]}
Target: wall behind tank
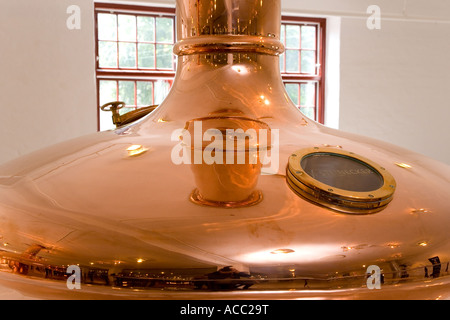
{"points": [[47, 74], [394, 81], [389, 83]]}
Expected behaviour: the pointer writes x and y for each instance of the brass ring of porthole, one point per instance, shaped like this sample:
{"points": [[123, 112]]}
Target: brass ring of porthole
{"points": [[341, 200]]}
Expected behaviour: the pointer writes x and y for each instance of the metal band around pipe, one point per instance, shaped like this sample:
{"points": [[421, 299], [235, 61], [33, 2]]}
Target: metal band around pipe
{"points": [[228, 43]]}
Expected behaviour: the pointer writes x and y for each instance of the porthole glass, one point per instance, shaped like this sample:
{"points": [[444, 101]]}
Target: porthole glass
{"points": [[340, 180], [342, 172]]}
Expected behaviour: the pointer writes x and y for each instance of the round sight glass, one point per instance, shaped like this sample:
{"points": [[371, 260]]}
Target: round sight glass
{"points": [[340, 180], [340, 171]]}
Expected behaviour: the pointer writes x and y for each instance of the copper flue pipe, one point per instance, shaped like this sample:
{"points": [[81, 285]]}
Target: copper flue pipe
{"points": [[228, 25]]}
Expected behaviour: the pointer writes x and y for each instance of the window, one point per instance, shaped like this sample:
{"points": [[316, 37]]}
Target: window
{"points": [[302, 63], [135, 63]]}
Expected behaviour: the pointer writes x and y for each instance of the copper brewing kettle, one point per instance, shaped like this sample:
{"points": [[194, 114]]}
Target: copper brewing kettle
{"points": [[227, 185]]}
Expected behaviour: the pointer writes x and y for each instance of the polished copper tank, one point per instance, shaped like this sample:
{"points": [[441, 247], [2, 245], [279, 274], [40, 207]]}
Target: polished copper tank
{"points": [[226, 185]]}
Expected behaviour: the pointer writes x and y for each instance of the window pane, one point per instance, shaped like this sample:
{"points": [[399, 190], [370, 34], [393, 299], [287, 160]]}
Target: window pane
{"points": [[308, 37], [293, 37], [108, 91], [144, 93], [127, 55], [292, 90], [309, 62], [126, 92], [292, 61], [107, 26], [106, 122], [164, 56], [309, 112], [127, 27], [126, 110], [107, 54], [146, 55], [164, 30], [308, 94], [282, 30], [281, 57], [162, 88], [146, 28]]}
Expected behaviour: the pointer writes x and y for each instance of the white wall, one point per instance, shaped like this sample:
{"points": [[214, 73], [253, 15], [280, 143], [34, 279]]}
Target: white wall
{"points": [[389, 84], [393, 81], [395, 84], [47, 75]]}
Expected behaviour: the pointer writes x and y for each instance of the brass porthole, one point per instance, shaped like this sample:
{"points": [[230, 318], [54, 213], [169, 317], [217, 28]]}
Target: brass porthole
{"points": [[340, 180]]}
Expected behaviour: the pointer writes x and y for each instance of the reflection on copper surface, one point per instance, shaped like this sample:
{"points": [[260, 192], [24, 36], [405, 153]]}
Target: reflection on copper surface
{"points": [[227, 167], [135, 150], [282, 251], [404, 165], [420, 211]]}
